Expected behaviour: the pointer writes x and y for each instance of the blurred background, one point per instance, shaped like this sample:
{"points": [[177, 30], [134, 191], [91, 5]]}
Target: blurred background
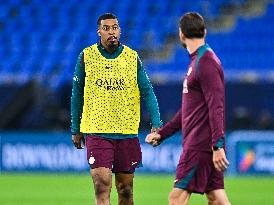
{"points": [[41, 40], [39, 44]]}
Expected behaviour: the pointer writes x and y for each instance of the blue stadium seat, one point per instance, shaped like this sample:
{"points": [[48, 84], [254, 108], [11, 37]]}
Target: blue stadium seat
{"points": [[35, 35]]}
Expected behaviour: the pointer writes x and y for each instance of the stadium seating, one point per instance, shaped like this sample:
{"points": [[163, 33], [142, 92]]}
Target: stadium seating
{"points": [[41, 41]]}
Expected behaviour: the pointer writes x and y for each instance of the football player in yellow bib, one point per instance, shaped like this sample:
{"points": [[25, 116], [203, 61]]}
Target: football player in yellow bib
{"points": [[108, 83]]}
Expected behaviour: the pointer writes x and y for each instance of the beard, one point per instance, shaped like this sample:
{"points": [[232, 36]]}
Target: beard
{"points": [[112, 44]]}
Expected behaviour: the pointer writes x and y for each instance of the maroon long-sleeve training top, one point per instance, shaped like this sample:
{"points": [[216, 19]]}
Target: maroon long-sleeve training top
{"points": [[201, 116]]}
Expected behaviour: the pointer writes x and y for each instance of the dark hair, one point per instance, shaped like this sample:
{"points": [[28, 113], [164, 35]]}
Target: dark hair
{"points": [[192, 25], [105, 16]]}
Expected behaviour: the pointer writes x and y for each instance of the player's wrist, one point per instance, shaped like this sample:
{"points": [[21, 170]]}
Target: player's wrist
{"points": [[218, 145], [158, 124], [214, 149]]}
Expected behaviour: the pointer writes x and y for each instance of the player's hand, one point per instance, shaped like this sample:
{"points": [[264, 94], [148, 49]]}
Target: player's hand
{"points": [[154, 139], [78, 141], [219, 160]]}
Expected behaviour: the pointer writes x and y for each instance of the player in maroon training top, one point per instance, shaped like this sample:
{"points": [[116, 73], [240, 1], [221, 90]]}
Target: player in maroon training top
{"points": [[201, 118]]}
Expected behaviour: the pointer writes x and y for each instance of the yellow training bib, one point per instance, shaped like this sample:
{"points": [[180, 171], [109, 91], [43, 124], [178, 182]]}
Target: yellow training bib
{"points": [[111, 93]]}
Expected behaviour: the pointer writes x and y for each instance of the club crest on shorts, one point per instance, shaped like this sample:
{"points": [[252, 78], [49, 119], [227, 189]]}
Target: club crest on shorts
{"points": [[91, 159]]}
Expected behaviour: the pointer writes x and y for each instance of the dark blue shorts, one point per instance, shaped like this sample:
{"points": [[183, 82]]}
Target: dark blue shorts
{"points": [[196, 173], [122, 155]]}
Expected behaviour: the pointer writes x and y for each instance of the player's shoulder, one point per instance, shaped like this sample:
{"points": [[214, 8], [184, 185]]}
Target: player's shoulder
{"points": [[128, 49], [206, 56], [209, 56], [89, 48]]}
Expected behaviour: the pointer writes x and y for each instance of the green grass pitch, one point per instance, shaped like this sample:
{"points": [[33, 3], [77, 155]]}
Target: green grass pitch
{"points": [[72, 189]]}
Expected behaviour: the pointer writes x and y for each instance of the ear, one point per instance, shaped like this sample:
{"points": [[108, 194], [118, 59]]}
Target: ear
{"points": [[99, 33], [205, 32], [180, 32]]}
